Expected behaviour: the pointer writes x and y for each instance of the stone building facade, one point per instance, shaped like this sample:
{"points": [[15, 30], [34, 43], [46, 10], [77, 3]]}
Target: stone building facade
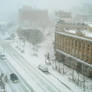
{"points": [[79, 49]]}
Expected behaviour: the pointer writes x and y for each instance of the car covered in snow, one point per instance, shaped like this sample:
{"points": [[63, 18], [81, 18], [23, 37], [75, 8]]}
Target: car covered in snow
{"points": [[14, 78], [43, 68]]}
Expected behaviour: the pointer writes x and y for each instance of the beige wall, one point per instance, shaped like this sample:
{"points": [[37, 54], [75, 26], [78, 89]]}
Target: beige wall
{"points": [[76, 47]]}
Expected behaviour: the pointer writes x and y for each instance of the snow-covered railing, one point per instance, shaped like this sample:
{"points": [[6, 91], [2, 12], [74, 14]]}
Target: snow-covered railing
{"points": [[77, 60], [74, 36]]}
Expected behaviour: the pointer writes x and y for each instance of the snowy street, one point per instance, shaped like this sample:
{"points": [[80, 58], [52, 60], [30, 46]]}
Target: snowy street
{"points": [[7, 69], [4, 68], [37, 81]]}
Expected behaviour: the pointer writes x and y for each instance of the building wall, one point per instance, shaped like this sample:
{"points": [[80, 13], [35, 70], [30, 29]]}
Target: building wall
{"points": [[79, 48]]}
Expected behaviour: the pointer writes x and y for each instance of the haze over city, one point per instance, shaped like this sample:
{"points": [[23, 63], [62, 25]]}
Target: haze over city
{"points": [[45, 45], [9, 8]]}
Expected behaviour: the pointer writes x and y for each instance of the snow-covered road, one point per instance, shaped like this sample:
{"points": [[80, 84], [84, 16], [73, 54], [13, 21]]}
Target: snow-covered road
{"points": [[35, 78], [7, 70]]}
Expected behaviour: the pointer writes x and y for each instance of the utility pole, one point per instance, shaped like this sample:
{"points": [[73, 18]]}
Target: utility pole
{"points": [[83, 72]]}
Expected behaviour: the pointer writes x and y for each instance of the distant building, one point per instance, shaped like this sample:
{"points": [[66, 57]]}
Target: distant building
{"points": [[34, 17], [80, 18], [65, 16]]}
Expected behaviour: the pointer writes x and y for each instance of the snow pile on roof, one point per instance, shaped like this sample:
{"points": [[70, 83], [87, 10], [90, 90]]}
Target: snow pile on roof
{"points": [[71, 31], [87, 33], [90, 25], [84, 32]]}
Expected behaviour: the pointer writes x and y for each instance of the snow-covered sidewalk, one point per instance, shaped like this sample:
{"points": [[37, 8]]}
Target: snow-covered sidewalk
{"points": [[63, 79]]}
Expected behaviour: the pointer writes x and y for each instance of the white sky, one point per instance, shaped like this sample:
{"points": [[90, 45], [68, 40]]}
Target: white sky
{"points": [[10, 7]]}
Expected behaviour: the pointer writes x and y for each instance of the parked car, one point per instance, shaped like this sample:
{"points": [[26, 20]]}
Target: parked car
{"points": [[43, 68], [14, 78]]}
